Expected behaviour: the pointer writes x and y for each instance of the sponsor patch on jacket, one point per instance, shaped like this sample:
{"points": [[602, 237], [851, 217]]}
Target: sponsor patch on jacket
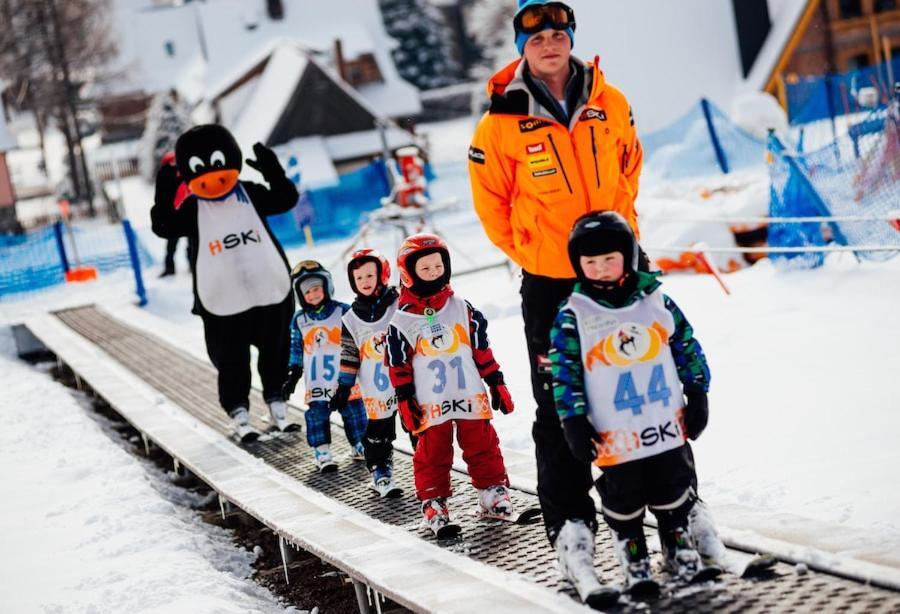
{"points": [[630, 116], [541, 160], [534, 148], [598, 114], [544, 173], [476, 155], [530, 125]]}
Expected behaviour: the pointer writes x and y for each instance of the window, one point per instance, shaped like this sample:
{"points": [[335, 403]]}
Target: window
{"points": [[885, 5], [860, 60], [850, 8]]}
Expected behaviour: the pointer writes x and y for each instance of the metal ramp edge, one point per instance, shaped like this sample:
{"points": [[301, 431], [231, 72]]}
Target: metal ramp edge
{"points": [[376, 554]]}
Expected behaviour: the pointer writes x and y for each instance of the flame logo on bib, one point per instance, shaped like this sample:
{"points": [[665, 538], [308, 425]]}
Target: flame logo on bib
{"points": [[318, 337], [373, 347], [627, 344], [441, 340]]}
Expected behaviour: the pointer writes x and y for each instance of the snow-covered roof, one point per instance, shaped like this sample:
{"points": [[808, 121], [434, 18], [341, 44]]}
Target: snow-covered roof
{"points": [[7, 140], [195, 46], [271, 94]]}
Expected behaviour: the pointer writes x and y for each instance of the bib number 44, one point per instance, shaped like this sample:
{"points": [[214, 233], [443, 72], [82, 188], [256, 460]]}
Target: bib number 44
{"points": [[627, 397]]}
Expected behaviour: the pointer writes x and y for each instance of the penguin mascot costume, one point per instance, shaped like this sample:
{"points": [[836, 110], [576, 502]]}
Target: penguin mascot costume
{"points": [[242, 285]]}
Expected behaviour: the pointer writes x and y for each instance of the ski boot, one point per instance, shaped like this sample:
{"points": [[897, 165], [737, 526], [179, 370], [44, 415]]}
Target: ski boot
{"points": [[383, 482], [240, 418], [575, 556], [324, 459], [278, 416], [437, 518], [358, 452], [635, 563], [682, 559], [494, 502]]}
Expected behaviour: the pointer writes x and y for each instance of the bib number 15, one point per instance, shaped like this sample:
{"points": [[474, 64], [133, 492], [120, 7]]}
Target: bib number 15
{"points": [[628, 399]]}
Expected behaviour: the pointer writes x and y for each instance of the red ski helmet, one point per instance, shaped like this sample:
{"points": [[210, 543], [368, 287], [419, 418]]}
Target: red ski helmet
{"points": [[413, 248], [362, 256]]}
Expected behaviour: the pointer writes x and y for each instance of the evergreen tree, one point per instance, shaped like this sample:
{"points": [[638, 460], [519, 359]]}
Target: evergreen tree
{"points": [[167, 119], [423, 56], [489, 24]]}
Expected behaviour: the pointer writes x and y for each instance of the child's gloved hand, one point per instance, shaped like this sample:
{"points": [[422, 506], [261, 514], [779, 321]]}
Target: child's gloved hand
{"points": [[295, 372], [696, 413], [266, 163], [411, 413], [340, 398], [582, 438], [501, 399]]}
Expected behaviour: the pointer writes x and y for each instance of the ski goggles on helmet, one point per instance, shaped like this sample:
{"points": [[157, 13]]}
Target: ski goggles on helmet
{"points": [[307, 266], [538, 17]]}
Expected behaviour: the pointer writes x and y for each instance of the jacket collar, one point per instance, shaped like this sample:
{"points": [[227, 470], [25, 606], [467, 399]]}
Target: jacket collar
{"points": [[510, 95], [647, 283]]}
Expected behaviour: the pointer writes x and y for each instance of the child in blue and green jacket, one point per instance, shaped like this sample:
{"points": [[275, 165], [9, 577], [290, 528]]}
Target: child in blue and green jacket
{"points": [[623, 359], [316, 356]]}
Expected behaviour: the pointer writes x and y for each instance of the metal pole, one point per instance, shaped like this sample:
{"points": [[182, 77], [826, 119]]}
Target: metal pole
{"points": [[361, 596]]}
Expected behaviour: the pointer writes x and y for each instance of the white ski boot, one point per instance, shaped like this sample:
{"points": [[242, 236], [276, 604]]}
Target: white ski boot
{"points": [[634, 561], [682, 559], [437, 518], [278, 415], [713, 551], [240, 418], [383, 482], [494, 502], [575, 556], [358, 452], [324, 459]]}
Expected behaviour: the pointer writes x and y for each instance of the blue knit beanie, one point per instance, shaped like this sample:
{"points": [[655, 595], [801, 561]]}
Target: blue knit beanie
{"points": [[522, 37]]}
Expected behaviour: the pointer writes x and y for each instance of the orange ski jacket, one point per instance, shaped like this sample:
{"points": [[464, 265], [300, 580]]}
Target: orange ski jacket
{"points": [[532, 176]]}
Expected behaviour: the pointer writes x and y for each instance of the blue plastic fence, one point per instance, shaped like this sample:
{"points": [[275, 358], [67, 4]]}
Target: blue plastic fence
{"points": [[39, 259], [702, 142], [857, 175], [336, 211], [811, 99]]}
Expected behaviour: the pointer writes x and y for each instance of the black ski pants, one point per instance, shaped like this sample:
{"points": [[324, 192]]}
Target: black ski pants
{"points": [[228, 341], [662, 482], [563, 482]]}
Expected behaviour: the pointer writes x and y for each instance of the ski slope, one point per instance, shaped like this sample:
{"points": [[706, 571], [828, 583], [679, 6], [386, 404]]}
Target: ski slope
{"points": [[800, 439]]}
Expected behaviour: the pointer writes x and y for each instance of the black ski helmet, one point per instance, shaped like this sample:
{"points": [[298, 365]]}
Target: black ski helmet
{"points": [[602, 232]]}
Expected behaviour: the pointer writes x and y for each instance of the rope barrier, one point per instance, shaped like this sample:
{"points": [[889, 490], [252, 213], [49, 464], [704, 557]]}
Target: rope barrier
{"points": [[777, 250], [774, 220]]}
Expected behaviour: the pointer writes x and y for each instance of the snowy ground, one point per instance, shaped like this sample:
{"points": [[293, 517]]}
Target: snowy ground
{"points": [[802, 411], [87, 527]]}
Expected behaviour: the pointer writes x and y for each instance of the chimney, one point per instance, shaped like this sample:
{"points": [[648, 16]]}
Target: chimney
{"points": [[275, 9], [339, 59]]}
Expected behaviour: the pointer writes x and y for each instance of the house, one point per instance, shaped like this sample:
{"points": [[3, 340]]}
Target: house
{"points": [[194, 47], [284, 97]]}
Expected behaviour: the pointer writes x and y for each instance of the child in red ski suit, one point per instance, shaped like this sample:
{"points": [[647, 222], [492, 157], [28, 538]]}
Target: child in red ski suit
{"points": [[437, 355]]}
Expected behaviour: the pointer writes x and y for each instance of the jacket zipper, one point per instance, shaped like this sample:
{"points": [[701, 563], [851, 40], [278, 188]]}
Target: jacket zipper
{"points": [[558, 159], [594, 149]]}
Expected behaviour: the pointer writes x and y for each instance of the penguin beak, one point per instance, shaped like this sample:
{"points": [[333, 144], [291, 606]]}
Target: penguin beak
{"points": [[214, 184]]}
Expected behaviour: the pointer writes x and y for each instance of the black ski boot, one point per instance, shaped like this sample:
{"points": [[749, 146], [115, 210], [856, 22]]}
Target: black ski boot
{"points": [[682, 559]]}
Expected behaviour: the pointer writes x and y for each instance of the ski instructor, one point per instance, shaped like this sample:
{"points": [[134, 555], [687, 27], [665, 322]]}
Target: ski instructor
{"points": [[556, 142]]}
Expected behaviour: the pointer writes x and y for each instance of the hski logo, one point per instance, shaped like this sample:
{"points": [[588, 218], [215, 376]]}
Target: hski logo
{"points": [[598, 114], [234, 239]]}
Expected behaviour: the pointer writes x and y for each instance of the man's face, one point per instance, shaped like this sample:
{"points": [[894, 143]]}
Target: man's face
{"points": [[365, 278], [547, 53]]}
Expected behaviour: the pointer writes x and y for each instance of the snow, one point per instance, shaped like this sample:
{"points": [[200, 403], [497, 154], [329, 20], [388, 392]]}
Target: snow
{"points": [[89, 527], [800, 443], [7, 141]]}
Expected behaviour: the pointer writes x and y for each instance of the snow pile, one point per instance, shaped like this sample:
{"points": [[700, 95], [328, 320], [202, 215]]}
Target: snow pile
{"points": [[86, 527], [757, 112]]}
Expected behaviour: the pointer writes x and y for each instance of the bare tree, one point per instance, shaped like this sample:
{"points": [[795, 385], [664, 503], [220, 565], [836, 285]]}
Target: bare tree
{"points": [[49, 51]]}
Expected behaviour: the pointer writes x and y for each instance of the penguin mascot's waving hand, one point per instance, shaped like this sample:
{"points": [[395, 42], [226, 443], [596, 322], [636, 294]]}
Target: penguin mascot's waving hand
{"points": [[242, 286]]}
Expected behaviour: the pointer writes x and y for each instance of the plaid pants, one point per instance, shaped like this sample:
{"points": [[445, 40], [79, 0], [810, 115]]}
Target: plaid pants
{"points": [[318, 427]]}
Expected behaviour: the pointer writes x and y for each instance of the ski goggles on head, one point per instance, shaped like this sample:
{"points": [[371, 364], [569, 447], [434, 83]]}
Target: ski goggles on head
{"points": [[306, 266], [534, 19]]}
